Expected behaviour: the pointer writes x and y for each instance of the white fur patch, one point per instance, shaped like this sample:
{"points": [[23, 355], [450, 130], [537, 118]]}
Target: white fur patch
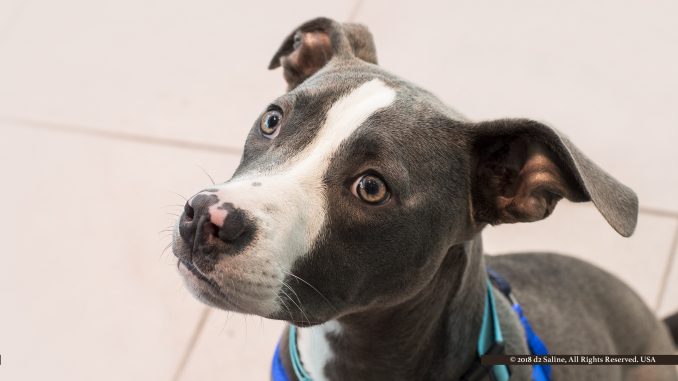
{"points": [[314, 349], [289, 203]]}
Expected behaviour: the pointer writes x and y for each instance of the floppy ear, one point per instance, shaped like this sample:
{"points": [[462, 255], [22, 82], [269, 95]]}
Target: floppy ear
{"points": [[522, 168], [308, 48]]}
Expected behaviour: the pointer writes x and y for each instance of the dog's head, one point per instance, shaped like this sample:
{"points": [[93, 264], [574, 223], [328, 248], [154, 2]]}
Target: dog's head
{"points": [[354, 185]]}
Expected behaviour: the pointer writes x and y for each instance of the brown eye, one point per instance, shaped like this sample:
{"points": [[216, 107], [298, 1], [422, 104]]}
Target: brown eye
{"points": [[371, 189], [270, 123]]}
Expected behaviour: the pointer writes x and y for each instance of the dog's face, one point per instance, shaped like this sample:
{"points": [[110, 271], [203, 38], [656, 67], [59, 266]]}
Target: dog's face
{"points": [[333, 191], [354, 185]]}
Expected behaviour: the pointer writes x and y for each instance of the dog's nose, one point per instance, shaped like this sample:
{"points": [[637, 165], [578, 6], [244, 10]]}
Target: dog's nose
{"points": [[206, 221]]}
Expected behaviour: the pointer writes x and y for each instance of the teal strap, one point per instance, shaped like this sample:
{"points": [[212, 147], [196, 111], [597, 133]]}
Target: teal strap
{"points": [[298, 367], [490, 334]]}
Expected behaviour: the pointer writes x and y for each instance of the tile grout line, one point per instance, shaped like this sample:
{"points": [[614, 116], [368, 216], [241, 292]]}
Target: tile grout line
{"points": [[658, 212], [667, 270], [191, 344], [123, 136]]}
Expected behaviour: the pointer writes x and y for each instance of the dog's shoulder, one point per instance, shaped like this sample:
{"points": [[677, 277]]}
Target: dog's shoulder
{"points": [[580, 304], [546, 269], [577, 307], [561, 283]]}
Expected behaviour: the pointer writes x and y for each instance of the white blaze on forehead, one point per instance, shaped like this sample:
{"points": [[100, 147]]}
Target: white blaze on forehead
{"points": [[308, 167], [289, 203], [343, 118]]}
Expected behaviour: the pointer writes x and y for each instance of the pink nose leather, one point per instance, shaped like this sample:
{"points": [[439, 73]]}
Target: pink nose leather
{"points": [[217, 215]]}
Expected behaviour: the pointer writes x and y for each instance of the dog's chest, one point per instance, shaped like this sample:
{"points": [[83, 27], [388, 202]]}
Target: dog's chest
{"points": [[314, 348]]}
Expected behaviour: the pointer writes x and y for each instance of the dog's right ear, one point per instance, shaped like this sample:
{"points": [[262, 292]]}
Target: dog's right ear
{"points": [[309, 47]]}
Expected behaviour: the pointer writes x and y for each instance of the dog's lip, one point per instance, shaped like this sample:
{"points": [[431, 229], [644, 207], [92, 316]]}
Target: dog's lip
{"points": [[194, 270], [201, 277]]}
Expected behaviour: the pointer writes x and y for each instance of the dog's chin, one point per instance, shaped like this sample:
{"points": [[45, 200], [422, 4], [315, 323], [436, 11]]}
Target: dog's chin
{"points": [[209, 292], [203, 290]]}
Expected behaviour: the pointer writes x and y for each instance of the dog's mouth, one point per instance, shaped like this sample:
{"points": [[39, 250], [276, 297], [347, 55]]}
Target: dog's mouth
{"points": [[231, 284], [197, 273], [205, 289]]}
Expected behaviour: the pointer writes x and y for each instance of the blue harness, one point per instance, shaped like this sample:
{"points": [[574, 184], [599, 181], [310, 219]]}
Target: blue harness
{"points": [[490, 341]]}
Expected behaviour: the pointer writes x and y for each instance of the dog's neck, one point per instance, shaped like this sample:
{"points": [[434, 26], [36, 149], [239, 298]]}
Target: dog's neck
{"points": [[421, 338]]}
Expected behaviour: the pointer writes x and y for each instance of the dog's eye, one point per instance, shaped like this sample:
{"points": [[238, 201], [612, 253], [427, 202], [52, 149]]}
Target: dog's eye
{"points": [[371, 189], [298, 38], [270, 123]]}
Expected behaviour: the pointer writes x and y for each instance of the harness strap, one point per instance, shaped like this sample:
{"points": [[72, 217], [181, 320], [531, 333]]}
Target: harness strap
{"points": [[490, 341], [277, 368], [534, 343]]}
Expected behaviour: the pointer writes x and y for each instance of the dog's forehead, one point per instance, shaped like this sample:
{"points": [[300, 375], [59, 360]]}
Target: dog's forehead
{"points": [[339, 78], [336, 90], [329, 115]]}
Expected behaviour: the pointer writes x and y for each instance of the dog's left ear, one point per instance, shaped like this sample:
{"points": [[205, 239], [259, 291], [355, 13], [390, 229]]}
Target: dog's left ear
{"points": [[309, 47], [522, 168]]}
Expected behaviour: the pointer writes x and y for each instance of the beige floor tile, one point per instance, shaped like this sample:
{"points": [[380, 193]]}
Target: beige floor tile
{"points": [[193, 71], [234, 347], [669, 303], [10, 12], [86, 292], [579, 230], [602, 72]]}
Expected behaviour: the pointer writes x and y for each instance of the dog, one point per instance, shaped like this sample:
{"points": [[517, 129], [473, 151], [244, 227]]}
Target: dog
{"points": [[356, 215]]}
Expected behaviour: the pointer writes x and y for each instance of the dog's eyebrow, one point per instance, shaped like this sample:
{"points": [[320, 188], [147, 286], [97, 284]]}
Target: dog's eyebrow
{"points": [[274, 107]]}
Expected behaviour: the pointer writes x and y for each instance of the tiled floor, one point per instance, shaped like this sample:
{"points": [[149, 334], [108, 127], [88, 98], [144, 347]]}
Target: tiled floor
{"points": [[84, 278], [108, 110]]}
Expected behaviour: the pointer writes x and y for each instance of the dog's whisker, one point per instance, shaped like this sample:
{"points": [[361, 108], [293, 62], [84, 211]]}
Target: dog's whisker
{"points": [[286, 307], [208, 175], [283, 283], [298, 306], [295, 303], [311, 286], [185, 199], [173, 206], [165, 249], [169, 228]]}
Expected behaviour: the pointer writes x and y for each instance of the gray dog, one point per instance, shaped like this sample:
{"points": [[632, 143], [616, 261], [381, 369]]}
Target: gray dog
{"points": [[356, 215]]}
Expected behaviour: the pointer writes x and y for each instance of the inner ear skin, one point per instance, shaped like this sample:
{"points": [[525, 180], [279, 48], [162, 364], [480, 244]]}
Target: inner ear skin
{"points": [[312, 51], [520, 180]]}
